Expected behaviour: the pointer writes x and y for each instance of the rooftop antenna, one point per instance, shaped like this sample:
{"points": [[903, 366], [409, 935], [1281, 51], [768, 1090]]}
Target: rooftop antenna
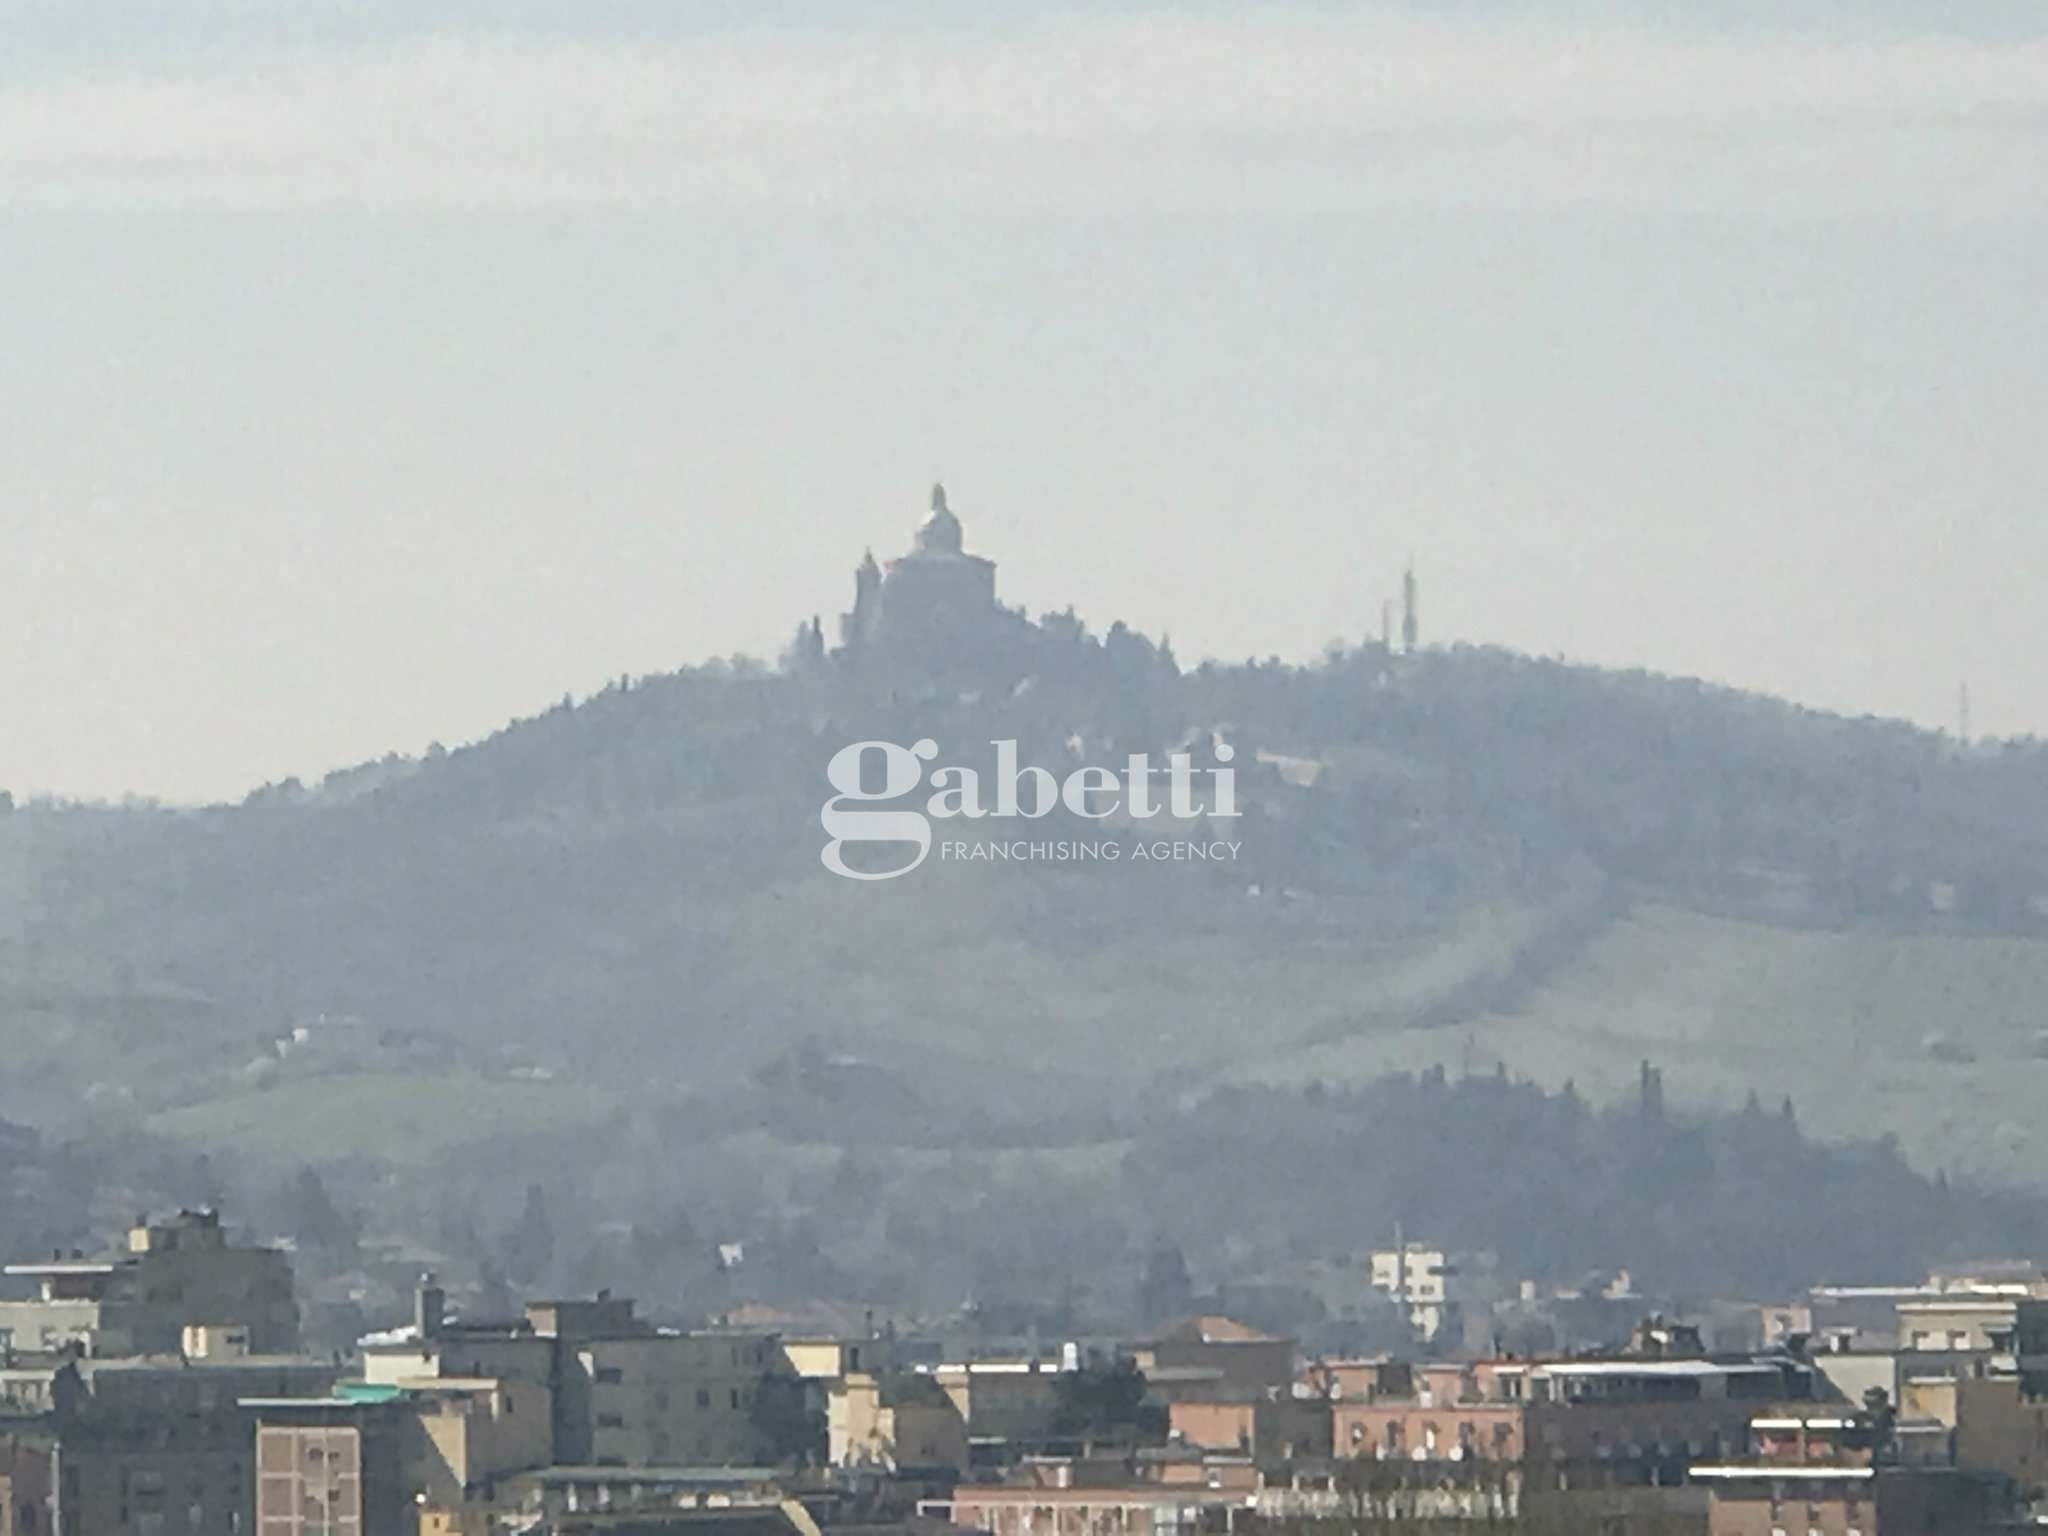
{"points": [[1963, 715]]}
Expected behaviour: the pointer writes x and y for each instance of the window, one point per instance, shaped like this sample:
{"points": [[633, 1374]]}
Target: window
{"points": [[610, 1421], [608, 1375], [703, 1397]]}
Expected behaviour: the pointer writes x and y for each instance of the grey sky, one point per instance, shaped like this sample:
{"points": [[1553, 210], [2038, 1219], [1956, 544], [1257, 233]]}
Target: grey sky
{"points": [[369, 381]]}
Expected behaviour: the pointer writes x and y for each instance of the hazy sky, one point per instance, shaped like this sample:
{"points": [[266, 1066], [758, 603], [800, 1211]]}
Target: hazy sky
{"points": [[372, 374]]}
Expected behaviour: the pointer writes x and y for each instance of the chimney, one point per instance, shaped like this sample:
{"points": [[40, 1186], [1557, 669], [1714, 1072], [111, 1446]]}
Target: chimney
{"points": [[429, 1304]]}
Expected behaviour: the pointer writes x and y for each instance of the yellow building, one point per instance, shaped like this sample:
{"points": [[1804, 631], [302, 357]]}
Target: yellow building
{"points": [[829, 1359], [666, 1398], [895, 1422]]}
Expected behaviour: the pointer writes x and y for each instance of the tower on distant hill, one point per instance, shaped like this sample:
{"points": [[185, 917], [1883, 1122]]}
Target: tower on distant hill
{"points": [[1411, 614]]}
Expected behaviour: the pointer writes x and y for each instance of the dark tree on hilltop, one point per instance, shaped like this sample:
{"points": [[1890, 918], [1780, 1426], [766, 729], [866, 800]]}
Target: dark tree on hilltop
{"points": [[530, 1246], [1166, 1292], [316, 1220], [1707, 1204]]}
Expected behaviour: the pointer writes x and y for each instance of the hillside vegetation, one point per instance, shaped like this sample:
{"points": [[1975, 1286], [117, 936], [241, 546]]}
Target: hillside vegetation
{"points": [[614, 913]]}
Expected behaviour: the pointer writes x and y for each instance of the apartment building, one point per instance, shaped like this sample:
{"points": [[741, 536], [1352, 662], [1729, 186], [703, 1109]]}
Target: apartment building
{"points": [[659, 1399], [1760, 1499], [333, 1466], [1007, 1405], [620, 1392], [1641, 1420], [1271, 1429], [135, 1443], [1436, 1288], [1226, 1358], [169, 1276]]}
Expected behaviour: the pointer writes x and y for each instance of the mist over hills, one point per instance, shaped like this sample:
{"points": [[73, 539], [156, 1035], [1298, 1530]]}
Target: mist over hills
{"points": [[628, 889], [610, 921]]}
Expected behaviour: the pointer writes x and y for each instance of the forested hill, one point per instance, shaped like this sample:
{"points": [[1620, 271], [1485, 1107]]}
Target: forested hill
{"points": [[1447, 853]]}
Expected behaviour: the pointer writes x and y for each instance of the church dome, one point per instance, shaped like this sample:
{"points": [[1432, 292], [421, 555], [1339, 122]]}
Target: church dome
{"points": [[940, 534]]}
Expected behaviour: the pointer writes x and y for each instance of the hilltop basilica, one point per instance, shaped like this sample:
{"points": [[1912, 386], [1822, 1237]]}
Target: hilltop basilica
{"points": [[929, 595], [934, 608], [930, 617]]}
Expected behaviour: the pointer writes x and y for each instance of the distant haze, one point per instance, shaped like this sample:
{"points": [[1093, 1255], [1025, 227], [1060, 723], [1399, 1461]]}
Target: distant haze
{"points": [[365, 383]]}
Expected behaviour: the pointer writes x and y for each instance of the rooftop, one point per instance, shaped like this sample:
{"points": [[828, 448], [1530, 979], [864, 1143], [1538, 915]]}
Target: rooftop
{"points": [[716, 1477], [346, 1395], [1684, 1369], [1212, 1329], [95, 1364], [1977, 1304]]}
